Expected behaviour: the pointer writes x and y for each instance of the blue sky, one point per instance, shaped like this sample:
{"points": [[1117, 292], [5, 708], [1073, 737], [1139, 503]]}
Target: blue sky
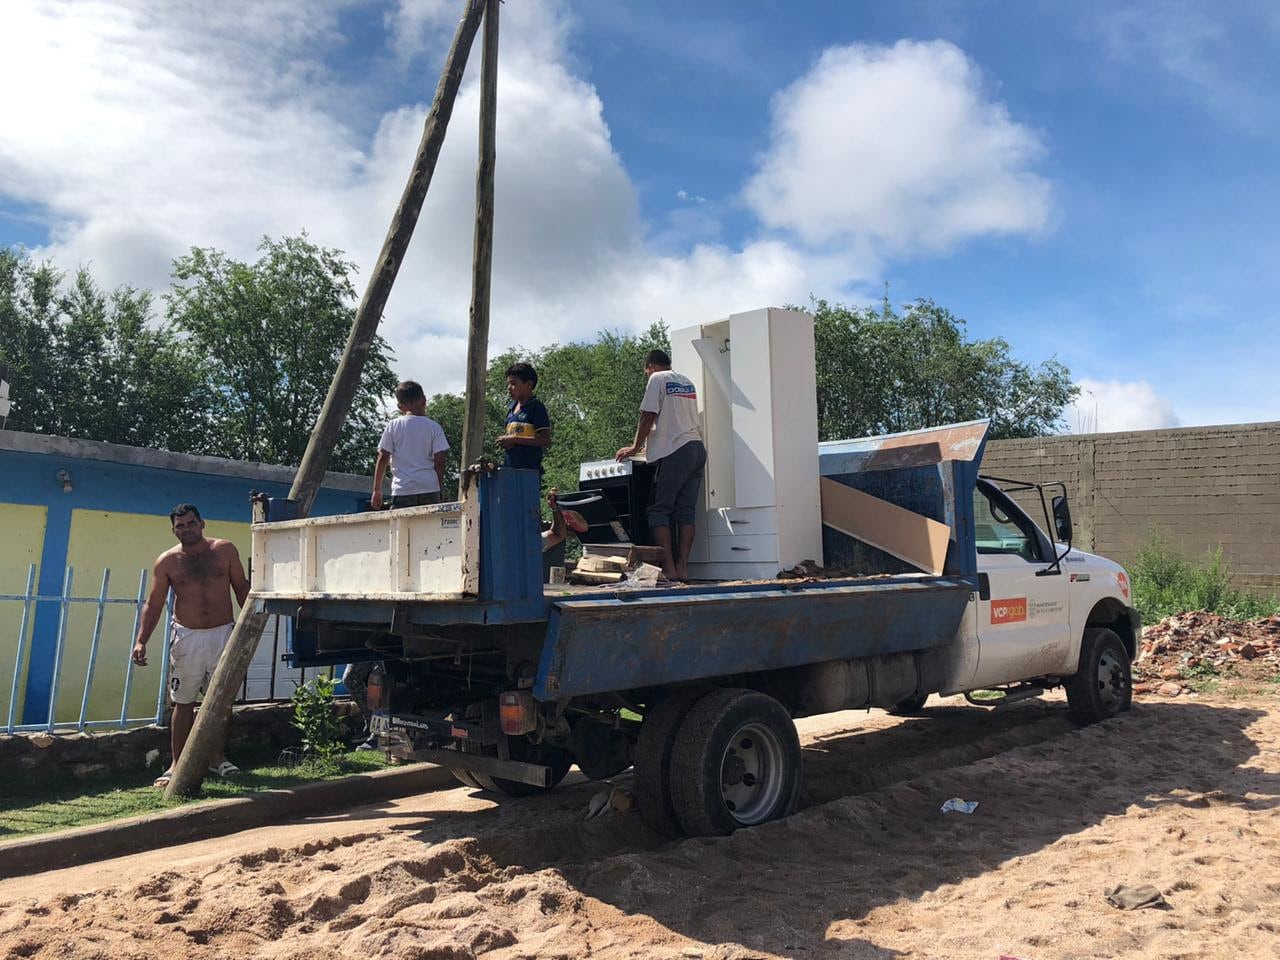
{"points": [[1094, 180]]}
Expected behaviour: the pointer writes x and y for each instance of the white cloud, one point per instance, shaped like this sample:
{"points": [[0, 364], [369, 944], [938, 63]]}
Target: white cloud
{"points": [[1111, 406], [143, 135], [899, 146], [157, 127]]}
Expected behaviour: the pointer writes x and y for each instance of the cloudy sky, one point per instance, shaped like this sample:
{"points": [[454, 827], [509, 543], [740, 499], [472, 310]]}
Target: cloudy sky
{"points": [[1094, 180]]}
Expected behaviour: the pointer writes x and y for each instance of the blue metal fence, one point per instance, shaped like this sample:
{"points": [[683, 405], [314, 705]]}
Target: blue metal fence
{"points": [[31, 602]]}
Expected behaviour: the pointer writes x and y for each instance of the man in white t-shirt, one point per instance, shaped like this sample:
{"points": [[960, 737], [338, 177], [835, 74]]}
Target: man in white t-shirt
{"points": [[670, 432], [414, 446]]}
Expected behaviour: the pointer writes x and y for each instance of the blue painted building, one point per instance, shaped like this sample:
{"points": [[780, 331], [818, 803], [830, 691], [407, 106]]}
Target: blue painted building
{"points": [[92, 507]]}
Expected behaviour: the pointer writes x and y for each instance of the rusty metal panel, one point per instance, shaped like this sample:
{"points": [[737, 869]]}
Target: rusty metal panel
{"points": [[915, 448], [930, 472]]}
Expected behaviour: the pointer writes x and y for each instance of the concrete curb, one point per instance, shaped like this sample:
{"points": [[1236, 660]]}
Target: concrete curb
{"points": [[215, 818]]}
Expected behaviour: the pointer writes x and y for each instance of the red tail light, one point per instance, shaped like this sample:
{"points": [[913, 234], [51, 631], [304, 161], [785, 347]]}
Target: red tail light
{"points": [[516, 713]]}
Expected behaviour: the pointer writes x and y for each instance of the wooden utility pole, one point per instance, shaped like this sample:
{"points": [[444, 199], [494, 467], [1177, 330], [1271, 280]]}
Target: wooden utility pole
{"points": [[211, 720], [482, 259]]}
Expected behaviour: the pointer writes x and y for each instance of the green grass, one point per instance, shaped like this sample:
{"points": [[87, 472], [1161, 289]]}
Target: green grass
{"points": [[70, 803], [1166, 582], [1205, 685], [1201, 671]]}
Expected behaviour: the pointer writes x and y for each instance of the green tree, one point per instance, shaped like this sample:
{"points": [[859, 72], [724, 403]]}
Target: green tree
{"points": [[31, 322], [879, 371], [269, 335], [95, 365]]}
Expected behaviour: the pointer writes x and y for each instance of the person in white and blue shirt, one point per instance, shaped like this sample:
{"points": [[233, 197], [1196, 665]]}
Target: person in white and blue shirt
{"points": [[670, 433]]}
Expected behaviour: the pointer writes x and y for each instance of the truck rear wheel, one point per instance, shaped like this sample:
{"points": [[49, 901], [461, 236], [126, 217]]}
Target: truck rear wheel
{"points": [[521, 749], [653, 759], [1103, 686], [735, 763]]}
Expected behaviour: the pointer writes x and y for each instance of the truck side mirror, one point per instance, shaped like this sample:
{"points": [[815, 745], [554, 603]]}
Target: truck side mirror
{"points": [[1062, 518]]}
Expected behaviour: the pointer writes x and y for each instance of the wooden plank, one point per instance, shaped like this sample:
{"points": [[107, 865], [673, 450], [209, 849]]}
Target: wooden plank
{"points": [[482, 251], [907, 535], [606, 549], [584, 576], [601, 565]]}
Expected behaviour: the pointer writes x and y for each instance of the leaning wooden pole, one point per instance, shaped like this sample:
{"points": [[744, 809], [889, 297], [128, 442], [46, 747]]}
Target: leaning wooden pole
{"points": [[211, 720], [482, 258]]}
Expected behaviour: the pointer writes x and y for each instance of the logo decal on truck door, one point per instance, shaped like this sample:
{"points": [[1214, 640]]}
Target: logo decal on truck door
{"points": [[1009, 611]]}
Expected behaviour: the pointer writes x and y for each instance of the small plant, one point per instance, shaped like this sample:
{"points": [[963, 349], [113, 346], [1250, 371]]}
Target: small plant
{"points": [[1166, 582], [317, 721], [1201, 671]]}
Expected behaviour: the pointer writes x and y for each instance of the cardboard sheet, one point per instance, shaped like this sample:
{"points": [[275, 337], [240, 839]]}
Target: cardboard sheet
{"points": [[909, 536]]}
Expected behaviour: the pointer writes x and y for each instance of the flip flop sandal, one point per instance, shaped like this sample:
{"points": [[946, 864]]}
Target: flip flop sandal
{"points": [[162, 781], [224, 769]]}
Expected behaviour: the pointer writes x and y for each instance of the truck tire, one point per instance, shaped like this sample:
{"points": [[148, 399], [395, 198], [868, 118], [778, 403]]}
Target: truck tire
{"points": [[652, 784], [600, 751], [735, 763], [910, 706], [1103, 686], [521, 749], [467, 779]]}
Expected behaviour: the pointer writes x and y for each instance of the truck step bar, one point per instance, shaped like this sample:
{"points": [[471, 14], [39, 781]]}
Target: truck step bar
{"points": [[1025, 692]]}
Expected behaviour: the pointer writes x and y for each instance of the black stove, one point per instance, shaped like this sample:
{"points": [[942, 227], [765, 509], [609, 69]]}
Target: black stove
{"points": [[625, 491]]}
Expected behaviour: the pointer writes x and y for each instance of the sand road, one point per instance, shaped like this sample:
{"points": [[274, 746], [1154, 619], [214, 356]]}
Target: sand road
{"points": [[1181, 794]]}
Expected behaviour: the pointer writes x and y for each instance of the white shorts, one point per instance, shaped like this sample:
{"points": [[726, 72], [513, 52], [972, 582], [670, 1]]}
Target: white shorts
{"points": [[193, 655]]}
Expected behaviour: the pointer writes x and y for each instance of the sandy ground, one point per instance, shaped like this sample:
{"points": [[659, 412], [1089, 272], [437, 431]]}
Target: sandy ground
{"points": [[1181, 794]]}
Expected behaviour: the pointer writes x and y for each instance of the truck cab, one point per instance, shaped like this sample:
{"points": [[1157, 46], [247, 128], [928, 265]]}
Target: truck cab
{"points": [[1038, 597]]}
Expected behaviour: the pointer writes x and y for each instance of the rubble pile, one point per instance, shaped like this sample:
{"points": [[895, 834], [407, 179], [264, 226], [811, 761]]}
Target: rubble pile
{"points": [[1201, 643]]}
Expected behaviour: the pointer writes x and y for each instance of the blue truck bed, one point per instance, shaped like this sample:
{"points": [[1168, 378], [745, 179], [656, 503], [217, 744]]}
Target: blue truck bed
{"points": [[594, 640]]}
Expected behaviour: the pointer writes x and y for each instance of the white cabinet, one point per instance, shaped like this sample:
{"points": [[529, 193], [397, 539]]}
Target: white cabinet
{"points": [[757, 393]]}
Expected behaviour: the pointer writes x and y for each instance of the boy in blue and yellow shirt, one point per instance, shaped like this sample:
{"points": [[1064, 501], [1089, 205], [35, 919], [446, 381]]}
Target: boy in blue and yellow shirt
{"points": [[528, 430]]}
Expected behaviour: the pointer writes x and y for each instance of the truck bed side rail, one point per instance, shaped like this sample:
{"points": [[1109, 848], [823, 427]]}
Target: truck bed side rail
{"points": [[614, 643]]}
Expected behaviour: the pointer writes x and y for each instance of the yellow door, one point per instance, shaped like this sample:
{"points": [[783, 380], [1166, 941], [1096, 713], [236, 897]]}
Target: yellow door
{"points": [[23, 545]]}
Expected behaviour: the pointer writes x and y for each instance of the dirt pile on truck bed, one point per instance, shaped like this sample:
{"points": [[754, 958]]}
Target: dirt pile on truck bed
{"points": [[1202, 644]]}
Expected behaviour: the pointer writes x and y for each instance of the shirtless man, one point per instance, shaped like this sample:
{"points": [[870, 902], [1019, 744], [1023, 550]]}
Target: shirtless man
{"points": [[203, 574]]}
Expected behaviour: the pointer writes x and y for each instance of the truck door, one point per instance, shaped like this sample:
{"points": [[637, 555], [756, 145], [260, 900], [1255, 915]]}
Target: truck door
{"points": [[1024, 626]]}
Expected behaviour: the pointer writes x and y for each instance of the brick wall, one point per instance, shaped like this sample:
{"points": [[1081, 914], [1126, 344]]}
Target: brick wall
{"points": [[1203, 487]]}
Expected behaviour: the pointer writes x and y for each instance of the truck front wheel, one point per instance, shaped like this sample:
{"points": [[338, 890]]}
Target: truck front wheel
{"points": [[735, 763], [1103, 686]]}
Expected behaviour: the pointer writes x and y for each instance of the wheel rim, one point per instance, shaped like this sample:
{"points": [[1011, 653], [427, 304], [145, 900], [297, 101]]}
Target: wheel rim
{"points": [[751, 774], [1110, 681]]}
